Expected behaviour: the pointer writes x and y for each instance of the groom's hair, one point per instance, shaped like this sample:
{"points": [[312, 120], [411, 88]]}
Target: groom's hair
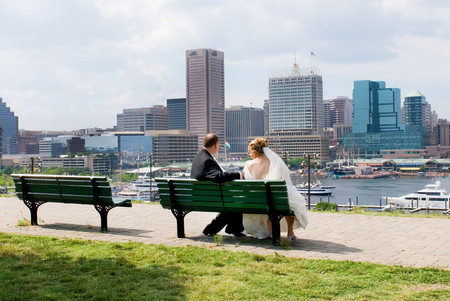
{"points": [[210, 140]]}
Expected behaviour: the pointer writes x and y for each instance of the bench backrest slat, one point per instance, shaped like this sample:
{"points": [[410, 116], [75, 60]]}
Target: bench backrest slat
{"points": [[235, 196], [66, 189]]}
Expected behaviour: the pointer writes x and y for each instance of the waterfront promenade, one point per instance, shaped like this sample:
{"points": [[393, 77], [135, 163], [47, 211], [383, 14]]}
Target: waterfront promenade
{"points": [[416, 242]]}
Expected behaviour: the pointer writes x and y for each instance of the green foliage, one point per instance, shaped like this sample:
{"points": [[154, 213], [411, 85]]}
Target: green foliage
{"points": [[24, 222], [6, 180], [325, 206], [7, 170], [57, 170], [218, 239], [295, 163], [49, 268], [129, 177]]}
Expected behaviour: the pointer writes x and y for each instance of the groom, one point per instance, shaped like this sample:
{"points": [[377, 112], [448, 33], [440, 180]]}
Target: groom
{"points": [[206, 168]]}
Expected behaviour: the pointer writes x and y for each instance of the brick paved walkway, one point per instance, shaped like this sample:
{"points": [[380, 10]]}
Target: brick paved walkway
{"points": [[417, 242]]}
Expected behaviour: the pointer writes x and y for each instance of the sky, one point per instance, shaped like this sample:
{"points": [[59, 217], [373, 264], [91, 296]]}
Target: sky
{"points": [[67, 65]]}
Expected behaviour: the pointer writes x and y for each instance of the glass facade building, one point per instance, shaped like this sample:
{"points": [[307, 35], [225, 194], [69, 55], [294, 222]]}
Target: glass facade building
{"points": [[377, 121], [417, 111], [177, 113], [242, 123], [296, 101], [10, 125], [205, 94], [376, 108], [375, 142]]}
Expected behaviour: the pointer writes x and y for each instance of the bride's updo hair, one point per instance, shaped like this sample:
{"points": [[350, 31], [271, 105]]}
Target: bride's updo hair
{"points": [[257, 145]]}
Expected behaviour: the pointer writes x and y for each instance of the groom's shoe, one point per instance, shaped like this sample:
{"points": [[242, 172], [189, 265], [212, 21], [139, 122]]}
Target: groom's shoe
{"points": [[208, 232], [237, 234]]}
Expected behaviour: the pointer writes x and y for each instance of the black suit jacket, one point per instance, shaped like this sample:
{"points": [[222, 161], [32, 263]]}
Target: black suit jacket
{"points": [[205, 168]]}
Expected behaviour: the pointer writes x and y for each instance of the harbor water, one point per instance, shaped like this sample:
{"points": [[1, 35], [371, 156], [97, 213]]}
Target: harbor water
{"points": [[370, 191]]}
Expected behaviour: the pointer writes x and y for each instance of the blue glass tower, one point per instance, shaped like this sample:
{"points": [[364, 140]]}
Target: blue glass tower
{"points": [[10, 124], [377, 120], [417, 111], [376, 108], [177, 113]]}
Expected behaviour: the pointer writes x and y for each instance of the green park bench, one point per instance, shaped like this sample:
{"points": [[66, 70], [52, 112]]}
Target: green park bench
{"points": [[35, 190], [182, 196]]}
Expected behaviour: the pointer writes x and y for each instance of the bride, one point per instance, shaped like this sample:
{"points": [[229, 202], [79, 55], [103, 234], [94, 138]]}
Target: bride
{"points": [[267, 165]]}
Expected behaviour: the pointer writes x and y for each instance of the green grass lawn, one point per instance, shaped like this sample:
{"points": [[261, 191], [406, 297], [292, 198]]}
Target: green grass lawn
{"points": [[47, 268]]}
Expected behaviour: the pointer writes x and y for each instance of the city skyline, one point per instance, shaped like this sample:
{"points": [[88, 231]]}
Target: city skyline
{"points": [[75, 64]]}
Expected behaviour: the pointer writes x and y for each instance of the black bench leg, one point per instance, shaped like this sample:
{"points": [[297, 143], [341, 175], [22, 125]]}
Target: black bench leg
{"points": [[179, 215], [103, 211], [33, 206], [276, 232], [180, 226]]}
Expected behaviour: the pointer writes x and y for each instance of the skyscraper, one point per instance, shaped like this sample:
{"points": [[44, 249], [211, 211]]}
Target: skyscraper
{"points": [[296, 101], [376, 108], [205, 93], [242, 123], [10, 124], [341, 110], [327, 114], [417, 111], [177, 113], [266, 116]]}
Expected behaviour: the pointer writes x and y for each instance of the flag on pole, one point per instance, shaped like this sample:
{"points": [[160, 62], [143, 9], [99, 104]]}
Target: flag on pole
{"points": [[313, 54], [227, 144]]}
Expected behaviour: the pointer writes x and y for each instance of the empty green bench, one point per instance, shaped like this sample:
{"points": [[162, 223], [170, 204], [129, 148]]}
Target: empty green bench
{"points": [[35, 190], [182, 196]]}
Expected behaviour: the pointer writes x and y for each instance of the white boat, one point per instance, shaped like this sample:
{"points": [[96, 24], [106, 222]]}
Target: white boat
{"points": [[316, 188], [143, 184], [432, 196], [142, 189]]}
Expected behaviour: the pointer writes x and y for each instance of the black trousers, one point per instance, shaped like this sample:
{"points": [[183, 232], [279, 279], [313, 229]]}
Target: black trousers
{"points": [[232, 220]]}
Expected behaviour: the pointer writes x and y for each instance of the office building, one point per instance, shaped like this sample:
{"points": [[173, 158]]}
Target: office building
{"points": [[295, 143], [10, 124], [266, 116], [377, 121], [177, 113], [417, 111], [242, 123], [327, 114], [1, 146], [376, 108], [76, 145], [205, 94], [434, 119], [341, 109], [296, 101], [443, 133], [339, 130], [373, 143], [143, 119], [173, 146]]}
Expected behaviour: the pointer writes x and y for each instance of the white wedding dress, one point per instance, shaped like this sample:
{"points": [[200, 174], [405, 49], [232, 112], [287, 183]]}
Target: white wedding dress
{"points": [[257, 225]]}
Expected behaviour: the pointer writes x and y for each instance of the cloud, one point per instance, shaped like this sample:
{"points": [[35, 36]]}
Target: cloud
{"points": [[82, 62]]}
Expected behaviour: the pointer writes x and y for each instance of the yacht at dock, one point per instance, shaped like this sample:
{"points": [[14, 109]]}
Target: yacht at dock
{"points": [[432, 196]]}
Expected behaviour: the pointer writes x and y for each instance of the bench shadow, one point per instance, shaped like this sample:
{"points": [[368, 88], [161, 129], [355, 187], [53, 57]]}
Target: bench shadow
{"points": [[309, 245], [96, 229]]}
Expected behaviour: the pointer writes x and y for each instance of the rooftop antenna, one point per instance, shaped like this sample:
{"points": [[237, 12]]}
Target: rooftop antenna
{"points": [[295, 69], [311, 57]]}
